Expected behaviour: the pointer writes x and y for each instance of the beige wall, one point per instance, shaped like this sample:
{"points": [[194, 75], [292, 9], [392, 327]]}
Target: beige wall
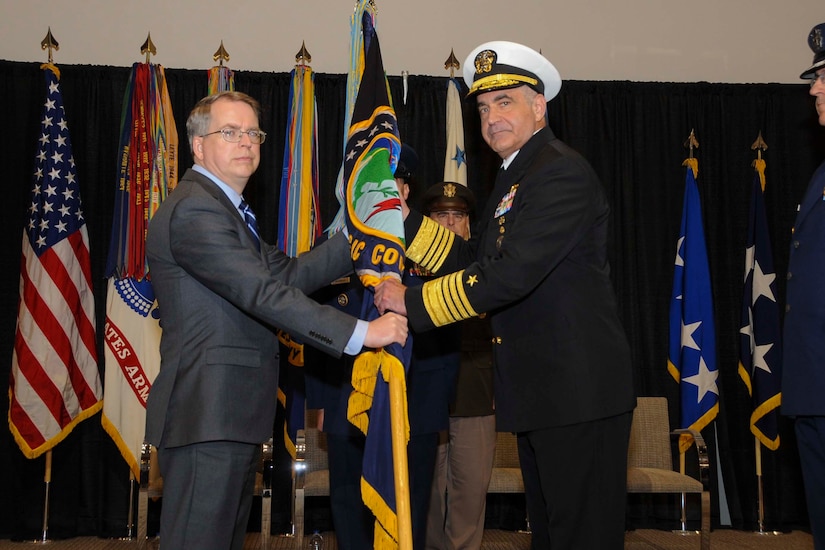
{"points": [[640, 40]]}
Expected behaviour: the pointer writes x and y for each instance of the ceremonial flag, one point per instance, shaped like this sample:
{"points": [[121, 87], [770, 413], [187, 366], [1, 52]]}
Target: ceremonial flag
{"points": [[54, 382], [221, 79], [298, 221], [148, 173], [455, 162], [358, 47], [376, 228], [692, 342], [299, 224], [760, 351]]}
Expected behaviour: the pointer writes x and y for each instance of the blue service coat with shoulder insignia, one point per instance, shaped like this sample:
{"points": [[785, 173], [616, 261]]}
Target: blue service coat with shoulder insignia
{"points": [[803, 374], [538, 266]]}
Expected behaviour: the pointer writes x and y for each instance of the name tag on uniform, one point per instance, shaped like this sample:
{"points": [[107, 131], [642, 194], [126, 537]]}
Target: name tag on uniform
{"points": [[506, 202]]}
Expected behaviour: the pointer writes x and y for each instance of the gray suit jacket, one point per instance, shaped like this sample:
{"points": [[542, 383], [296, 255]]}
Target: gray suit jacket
{"points": [[220, 300]]}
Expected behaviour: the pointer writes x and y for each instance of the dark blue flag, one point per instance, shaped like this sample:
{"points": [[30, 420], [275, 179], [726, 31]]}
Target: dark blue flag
{"points": [[692, 342], [760, 363]]}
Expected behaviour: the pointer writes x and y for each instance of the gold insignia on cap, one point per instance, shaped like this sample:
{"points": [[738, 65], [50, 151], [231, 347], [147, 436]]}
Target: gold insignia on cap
{"points": [[449, 190], [485, 60], [816, 40]]}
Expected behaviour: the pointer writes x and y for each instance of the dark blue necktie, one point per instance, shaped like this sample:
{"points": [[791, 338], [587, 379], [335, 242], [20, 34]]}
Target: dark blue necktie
{"points": [[251, 222]]}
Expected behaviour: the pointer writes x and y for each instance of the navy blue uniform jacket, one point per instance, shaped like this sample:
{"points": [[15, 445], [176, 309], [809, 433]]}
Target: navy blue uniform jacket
{"points": [[539, 267]]}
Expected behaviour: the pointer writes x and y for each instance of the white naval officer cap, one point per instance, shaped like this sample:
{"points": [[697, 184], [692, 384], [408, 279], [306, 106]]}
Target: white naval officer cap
{"points": [[500, 64]]}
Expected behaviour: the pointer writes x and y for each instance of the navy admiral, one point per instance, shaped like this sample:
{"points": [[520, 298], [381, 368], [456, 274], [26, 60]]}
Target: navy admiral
{"points": [[538, 264]]}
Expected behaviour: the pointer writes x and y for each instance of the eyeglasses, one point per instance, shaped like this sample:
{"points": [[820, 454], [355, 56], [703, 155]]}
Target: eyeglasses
{"points": [[233, 135], [820, 78]]}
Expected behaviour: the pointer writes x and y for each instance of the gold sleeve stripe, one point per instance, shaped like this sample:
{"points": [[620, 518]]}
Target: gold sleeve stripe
{"points": [[445, 300], [431, 244], [456, 300], [440, 247]]}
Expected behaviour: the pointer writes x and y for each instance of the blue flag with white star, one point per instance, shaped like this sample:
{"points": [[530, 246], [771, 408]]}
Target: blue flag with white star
{"points": [[692, 334], [760, 363]]}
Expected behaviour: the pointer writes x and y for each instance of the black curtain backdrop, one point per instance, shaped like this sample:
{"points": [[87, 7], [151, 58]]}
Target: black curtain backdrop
{"points": [[633, 134]]}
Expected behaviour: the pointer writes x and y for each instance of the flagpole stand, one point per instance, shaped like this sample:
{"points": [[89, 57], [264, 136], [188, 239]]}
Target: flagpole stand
{"points": [[761, 502], [684, 531], [130, 517], [47, 479], [141, 537]]}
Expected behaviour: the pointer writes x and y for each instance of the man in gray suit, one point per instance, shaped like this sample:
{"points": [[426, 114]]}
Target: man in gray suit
{"points": [[221, 292]]}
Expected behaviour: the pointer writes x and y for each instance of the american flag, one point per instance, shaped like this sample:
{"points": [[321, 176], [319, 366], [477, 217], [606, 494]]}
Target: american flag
{"points": [[54, 378]]}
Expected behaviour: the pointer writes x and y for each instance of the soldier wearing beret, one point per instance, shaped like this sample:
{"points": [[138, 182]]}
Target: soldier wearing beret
{"points": [[538, 265], [803, 364]]}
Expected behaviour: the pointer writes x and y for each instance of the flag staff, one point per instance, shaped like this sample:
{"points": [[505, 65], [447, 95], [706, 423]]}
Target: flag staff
{"points": [[690, 143], [759, 165], [47, 480], [759, 145], [48, 43], [221, 77], [303, 57], [452, 63], [148, 47], [399, 455], [220, 55]]}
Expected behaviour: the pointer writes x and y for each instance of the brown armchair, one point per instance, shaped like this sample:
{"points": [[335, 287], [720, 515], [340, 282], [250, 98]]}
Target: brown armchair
{"points": [[506, 477], [650, 460]]}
